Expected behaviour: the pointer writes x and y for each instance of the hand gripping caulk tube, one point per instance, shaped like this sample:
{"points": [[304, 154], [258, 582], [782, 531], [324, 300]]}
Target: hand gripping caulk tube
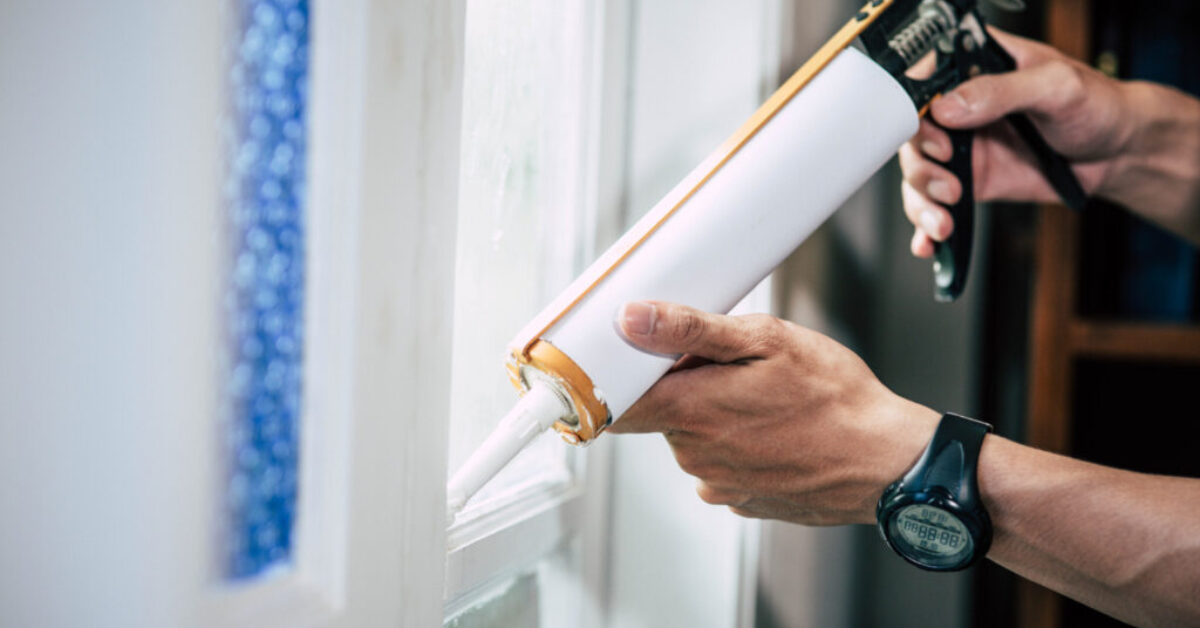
{"points": [[723, 229]]}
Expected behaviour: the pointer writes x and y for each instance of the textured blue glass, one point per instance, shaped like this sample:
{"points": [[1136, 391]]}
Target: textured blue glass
{"points": [[264, 299]]}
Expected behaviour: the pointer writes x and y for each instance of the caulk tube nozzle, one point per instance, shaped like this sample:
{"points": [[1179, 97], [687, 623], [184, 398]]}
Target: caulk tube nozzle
{"points": [[537, 410]]}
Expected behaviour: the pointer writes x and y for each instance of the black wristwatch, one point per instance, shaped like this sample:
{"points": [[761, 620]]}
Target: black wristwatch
{"points": [[933, 516]]}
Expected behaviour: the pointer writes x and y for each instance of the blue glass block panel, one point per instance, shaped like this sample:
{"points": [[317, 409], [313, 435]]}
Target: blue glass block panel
{"points": [[264, 299]]}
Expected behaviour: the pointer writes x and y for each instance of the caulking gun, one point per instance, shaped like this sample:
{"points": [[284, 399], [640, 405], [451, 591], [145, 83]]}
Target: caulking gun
{"points": [[742, 211]]}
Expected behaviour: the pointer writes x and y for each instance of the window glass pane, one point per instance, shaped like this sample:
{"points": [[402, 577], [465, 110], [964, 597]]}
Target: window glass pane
{"points": [[513, 604], [267, 74], [521, 236]]}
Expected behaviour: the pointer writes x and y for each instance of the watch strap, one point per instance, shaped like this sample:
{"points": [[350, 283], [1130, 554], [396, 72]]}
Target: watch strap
{"points": [[951, 459]]}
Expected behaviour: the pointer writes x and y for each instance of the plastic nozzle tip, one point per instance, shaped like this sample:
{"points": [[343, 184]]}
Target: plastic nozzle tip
{"points": [[533, 413]]}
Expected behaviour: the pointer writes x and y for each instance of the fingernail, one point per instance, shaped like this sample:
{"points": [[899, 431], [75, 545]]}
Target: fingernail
{"points": [[638, 318], [929, 223], [952, 105], [931, 148], [939, 190]]}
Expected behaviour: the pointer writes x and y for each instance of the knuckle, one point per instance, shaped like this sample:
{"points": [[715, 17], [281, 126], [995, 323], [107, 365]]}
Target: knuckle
{"points": [[710, 495], [772, 332], [687, 327], [760, 333], [687, 460], [742, 512], [763, 326], [1069, 81], [908, 158]]}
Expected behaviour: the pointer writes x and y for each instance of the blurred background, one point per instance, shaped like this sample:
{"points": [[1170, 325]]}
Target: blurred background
{"points": [[259, 260]]}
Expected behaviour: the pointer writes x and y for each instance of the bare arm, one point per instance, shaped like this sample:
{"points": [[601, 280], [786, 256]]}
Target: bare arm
{"points": [[1127, 544], [1159, 175], [1131, 142], [780, 422]]}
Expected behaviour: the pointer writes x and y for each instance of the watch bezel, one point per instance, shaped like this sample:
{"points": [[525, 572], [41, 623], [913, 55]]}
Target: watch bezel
{"points": [[975, 520]]}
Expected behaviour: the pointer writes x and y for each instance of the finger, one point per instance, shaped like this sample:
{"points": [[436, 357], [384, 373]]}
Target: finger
{"points": [[933, 179], [718, 497], [922, 245], [670, 404], [933, 141], [1047, 89], [931, 218], [654, 412], [1026, 52], [672, 329], [688, 362], [682, 403], [923, 68]]}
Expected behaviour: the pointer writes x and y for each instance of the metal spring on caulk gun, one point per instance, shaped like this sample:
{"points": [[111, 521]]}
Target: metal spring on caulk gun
{"points": [[917, 38]]}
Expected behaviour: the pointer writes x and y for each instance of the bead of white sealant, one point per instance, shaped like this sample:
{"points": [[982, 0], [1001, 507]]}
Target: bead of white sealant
{"points": [[536, 411]]}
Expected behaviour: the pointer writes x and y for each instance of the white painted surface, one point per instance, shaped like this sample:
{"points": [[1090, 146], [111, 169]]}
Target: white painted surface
{"points": [[108, 267], [530, 185], [409, 175], [696, 71], [523, 229], [109, 327]]}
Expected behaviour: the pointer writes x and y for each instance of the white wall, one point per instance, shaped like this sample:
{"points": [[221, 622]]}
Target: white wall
{"points": [[109, 197], [111, 265], [696, 71]]}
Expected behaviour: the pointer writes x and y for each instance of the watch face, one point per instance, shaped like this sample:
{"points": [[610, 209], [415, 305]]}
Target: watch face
{"points": [[930, 535]]}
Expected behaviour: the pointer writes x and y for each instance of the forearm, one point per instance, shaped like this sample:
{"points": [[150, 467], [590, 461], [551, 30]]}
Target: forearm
{"points": [[1125, 543], [1158, 173]]}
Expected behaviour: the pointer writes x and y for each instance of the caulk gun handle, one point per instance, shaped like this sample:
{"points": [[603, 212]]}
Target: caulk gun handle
{"points": [[952, 257], [993, 59]]}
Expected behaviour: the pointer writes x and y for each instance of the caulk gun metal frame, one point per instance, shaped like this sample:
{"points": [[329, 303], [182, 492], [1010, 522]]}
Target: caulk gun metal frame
{"points": [[954, 30]]}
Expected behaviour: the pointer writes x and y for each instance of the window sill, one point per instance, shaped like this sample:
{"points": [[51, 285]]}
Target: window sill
{"points": [[531, 525]]}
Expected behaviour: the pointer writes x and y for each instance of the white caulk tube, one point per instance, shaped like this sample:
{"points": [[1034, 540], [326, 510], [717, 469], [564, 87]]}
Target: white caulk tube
{"points": [[709, 241]]}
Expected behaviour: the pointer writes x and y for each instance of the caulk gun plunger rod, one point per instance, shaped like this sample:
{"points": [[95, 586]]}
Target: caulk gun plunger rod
{"points": [[536, 411]]}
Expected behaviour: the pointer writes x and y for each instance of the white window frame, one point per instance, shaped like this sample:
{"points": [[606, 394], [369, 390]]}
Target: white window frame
{"points": [[372, 544], [383, 162], [311, 589], [517, 534]]}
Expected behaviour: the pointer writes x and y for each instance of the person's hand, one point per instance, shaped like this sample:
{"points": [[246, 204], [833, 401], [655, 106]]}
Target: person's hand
{"points": [[776, 421], [1083, 114]]}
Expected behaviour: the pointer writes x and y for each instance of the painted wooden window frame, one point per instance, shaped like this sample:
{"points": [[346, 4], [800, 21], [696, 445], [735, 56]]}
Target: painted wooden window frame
{"points": [[519, 533], [372, 543], [384, 125]]}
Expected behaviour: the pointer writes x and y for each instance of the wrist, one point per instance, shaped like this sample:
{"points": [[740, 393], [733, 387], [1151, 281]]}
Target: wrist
{"points": [[1155, 170], [933, 516], [911, 427], [1007, 481], [1129, 142]]}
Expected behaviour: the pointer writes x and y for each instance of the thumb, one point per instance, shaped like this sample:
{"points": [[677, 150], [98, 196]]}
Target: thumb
{"points": [[1041, 90], [672, 329]]}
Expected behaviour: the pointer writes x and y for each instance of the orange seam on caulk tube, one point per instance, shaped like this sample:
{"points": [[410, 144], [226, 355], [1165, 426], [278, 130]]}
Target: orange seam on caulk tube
{"points": [[924, 110], [844, 37], [593, 413], [544, 356]]}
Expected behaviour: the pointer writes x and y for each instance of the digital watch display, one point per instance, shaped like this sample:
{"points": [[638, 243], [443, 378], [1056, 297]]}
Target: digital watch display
{"points": [[933, 516]]}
